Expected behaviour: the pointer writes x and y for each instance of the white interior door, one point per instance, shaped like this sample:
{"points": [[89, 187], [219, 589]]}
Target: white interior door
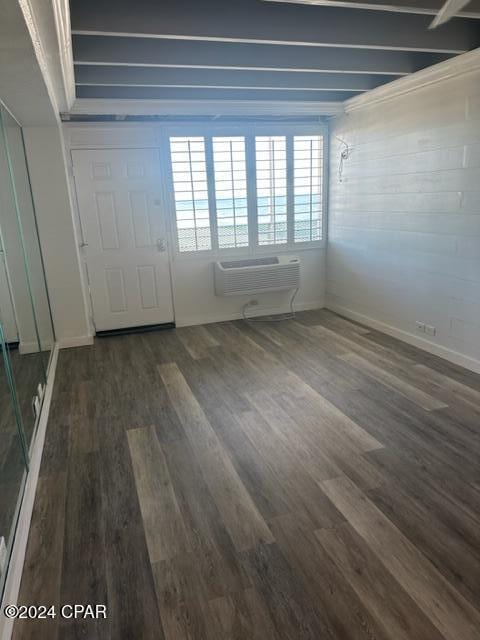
{"points": [[124, 229]]}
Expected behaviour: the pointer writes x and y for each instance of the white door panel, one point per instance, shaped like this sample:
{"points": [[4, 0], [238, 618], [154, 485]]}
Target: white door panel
{"points": [[124, 229]]}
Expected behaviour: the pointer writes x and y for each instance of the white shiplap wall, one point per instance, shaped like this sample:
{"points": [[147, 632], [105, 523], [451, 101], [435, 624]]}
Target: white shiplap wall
{"points": [[404, 223]]}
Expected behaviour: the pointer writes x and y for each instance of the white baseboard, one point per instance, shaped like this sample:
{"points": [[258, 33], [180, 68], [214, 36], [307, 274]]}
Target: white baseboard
{"points": [[252, 312], [32, 347], [76, 341], [431, 347], [14, 576]]}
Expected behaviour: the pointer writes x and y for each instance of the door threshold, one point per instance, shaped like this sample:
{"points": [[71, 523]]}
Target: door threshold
{"points": [[146, 328]]}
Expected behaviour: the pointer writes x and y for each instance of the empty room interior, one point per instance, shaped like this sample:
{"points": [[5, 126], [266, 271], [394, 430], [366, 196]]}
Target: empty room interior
{"points": [[240, 319]]}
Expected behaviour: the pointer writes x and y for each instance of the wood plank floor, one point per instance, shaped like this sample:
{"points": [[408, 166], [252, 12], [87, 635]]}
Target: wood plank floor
{"points": [[311, 479]]}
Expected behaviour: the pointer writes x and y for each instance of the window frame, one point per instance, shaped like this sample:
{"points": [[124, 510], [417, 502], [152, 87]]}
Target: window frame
{"points": [[249, 131]]}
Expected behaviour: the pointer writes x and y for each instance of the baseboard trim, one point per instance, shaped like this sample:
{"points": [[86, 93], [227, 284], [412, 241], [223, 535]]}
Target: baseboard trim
{"points": [[253, 312], [76, 341], [25, 348], [437, 350], [14, 576]]}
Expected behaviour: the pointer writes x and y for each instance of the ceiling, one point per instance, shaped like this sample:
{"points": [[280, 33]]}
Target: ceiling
{"points": [[257, 50]]}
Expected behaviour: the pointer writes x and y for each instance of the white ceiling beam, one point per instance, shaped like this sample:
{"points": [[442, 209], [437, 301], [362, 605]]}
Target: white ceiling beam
{"points": [[215, 86], [448, 11]]}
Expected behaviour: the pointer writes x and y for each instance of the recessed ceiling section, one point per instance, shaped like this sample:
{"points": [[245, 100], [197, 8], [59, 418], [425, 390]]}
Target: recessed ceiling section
{"points": [[225, 79], [257, 50], [152, 52]]}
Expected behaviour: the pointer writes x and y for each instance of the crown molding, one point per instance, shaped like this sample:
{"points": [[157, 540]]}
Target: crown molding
{"points": [[449, 69], [130, 107], [61, 12], [37, 43], [49, 27]]}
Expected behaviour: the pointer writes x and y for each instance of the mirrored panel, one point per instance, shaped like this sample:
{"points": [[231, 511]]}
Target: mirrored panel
{"points": [[28, 229], [25, 311], [13, 465], [26, 333], [16, 302]]}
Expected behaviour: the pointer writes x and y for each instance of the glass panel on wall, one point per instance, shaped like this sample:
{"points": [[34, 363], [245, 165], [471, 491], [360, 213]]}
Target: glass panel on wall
{"points": [[22, 339], [12, 461], [27, 228], [26, 334], [23, 294]]}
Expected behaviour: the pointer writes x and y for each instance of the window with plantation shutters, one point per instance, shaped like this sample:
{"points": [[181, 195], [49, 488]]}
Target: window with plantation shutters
{"points": [[230, 191], [248, 192], [307, 188], [191, 193], [271, 175]]}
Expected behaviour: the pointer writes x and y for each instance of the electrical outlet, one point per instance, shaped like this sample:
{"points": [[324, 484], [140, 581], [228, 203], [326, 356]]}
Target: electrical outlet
{"points": [[420, 326], [430, 330]]}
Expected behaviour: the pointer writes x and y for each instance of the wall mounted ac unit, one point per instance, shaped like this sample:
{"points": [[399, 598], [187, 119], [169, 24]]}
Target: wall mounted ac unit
{"points": [[256, 275]]}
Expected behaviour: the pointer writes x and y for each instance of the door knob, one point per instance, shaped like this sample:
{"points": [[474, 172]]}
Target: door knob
{"points": [[161, 244]]}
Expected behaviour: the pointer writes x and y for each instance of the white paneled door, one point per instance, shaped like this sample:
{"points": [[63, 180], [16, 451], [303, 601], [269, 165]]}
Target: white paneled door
{"points": [[124, 231]]}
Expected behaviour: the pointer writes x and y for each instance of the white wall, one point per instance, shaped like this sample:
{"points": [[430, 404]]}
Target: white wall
{"points": [[47, 167], [404, 224], [196, 303]]}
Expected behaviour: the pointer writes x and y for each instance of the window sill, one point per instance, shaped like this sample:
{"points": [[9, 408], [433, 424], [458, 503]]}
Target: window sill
{"points": [[243, 252]]}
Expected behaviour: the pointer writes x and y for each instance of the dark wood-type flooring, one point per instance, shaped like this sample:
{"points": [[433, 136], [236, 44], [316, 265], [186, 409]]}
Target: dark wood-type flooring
{"points": [[311, 479]]}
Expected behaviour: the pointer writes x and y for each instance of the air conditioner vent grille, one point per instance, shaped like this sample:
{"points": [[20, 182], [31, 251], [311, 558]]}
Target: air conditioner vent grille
{"points": [[250, 262], [262, 275]]}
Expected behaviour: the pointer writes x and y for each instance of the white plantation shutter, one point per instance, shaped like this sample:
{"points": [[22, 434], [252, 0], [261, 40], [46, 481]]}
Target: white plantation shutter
{"points": [[307, 188], [271, 174], [189, 174], [217, 206], [230, 191]]}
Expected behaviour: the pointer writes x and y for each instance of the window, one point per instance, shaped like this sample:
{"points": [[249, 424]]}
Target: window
{"points": [[307, 187], [247, 192], [271, 167], [191, 193], [230, 192]]}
